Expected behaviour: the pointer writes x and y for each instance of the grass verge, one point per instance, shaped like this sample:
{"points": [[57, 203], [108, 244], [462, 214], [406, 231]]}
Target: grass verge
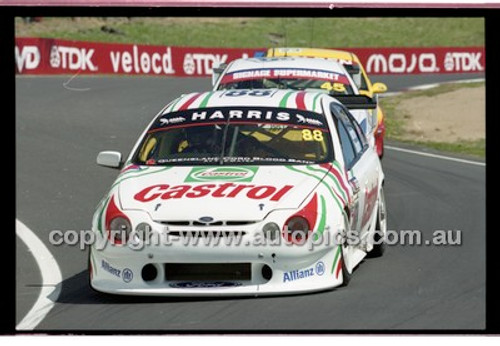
{"points": [[396, 122], [263, 32]]}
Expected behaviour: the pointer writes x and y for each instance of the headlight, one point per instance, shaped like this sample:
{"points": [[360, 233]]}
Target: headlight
{"points": [[119, 230], [296, 230], [271, 231], [143, 231]]}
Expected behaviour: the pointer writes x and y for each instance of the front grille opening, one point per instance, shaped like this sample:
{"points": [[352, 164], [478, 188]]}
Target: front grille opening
{"points": [[203, 224], [216, 223], [208, 271], [175, 223], [207, 234], [239, 223]]}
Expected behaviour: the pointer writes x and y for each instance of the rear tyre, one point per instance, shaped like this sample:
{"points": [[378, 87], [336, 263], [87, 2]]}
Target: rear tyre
{"points": [[380, 228], [381, 156]]}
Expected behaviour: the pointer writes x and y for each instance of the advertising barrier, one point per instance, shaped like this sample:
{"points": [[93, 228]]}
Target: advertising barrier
{"points": [[422, 60], [53, 56]]}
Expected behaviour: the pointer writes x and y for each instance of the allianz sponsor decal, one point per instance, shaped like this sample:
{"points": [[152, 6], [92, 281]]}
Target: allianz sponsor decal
{"points": [[110, 269], [317, 270], [126, 274], [221, 174]]}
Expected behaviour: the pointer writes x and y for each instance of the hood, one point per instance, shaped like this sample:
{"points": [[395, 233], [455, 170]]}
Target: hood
{"points": [[233, 193]]}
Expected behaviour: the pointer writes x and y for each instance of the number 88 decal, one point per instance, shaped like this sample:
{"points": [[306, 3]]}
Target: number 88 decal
{"points": [[315, 135]]}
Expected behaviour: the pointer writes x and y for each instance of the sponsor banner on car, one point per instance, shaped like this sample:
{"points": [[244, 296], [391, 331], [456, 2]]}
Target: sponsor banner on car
{"points": [[201, 174], [55, 56], [284, 73], [293, 275]]}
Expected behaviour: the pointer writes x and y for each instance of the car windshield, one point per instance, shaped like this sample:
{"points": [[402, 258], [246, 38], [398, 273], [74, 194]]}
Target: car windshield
{"points": [[298, 79], [236, 135]]}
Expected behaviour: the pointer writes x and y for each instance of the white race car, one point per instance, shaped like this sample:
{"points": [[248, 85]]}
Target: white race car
{"points": [[240, 192], [297, 73]]}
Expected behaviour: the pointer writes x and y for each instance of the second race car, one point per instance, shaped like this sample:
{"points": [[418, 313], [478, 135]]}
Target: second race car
{"points": [[296, 73], [354, 66]]}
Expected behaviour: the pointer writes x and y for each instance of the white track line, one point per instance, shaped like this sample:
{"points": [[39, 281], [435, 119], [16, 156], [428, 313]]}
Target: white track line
{"points": [[430, 86], [434, 85], [442, 157], [51, 278]]}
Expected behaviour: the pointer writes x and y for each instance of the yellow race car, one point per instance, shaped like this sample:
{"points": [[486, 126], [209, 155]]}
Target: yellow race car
{"points": [[353, 65]]}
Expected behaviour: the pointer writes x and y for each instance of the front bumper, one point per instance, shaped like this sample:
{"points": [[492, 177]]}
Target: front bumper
{"points": [[269, 269]]}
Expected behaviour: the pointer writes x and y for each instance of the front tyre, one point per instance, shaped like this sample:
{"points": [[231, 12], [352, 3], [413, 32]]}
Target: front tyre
{"points": [[346, 276], [380, 227], [344, 254], [91, 271]]}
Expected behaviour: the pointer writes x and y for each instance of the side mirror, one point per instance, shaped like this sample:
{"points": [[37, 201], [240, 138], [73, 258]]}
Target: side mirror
{"points": [[352, 69], [112, 159], [216, 72], [357, 101], [379, 88]]}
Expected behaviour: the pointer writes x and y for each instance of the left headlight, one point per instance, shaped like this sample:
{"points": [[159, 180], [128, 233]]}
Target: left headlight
{"points": [[119, 230], [271, 231]]}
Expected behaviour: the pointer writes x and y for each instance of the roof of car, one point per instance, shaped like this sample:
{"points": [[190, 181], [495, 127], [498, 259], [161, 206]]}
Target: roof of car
{"points": [[283, 98], [286, 62], [313, 52]]}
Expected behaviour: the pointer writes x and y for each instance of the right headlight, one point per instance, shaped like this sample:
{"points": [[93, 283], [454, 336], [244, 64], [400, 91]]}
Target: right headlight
{"points": [[144, 231], [296, 230]]}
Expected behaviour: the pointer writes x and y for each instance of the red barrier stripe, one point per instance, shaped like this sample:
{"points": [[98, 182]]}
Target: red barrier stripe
{"points": [[42, 56]]}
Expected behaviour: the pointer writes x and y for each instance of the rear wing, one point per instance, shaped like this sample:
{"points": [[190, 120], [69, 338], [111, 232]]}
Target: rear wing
{"points": [[361, 102], [357, 101]]}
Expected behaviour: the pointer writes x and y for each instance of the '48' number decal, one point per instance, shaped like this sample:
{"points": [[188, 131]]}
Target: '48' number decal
{"points": [[315, 135], [248, 93]]}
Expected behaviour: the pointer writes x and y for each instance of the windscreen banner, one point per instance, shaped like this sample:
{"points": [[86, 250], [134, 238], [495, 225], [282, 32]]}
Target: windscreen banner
{"points": [[45, 56]]}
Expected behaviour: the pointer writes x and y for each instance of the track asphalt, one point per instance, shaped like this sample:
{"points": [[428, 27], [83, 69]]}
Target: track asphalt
{"points": [[60, 128]]}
